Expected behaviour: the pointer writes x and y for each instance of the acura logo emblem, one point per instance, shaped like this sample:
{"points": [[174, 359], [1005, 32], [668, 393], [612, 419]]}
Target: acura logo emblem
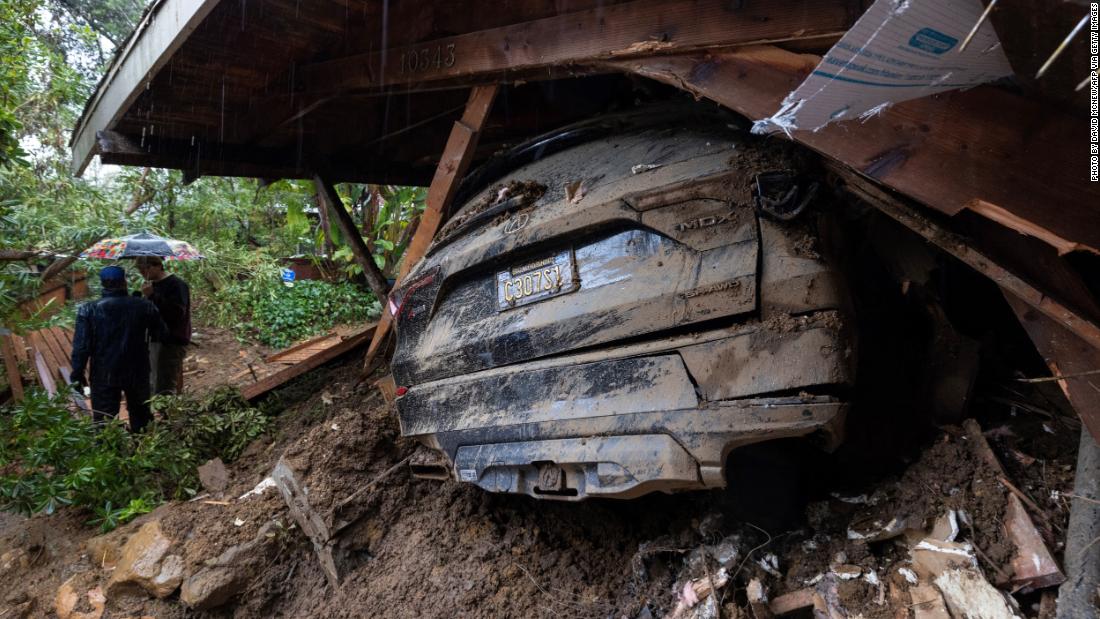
{"points": [[516, 223]]}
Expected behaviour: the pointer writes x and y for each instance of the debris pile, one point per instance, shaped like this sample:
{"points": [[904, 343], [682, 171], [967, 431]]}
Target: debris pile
{"points": [[320, 518]]}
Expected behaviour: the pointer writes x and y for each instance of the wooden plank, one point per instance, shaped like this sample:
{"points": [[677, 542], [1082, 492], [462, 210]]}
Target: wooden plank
{"points": [[45, 374], [1065, 353], [332, 203], [387, 387], [68, 335], [275, 356], [20, 346], [162, 30], [41, 352], [60, 359], [64, 347], [15, 378], [1025, 227], [629, 29], [944, 151], [456, 159], [960, 247], [270, 382]]}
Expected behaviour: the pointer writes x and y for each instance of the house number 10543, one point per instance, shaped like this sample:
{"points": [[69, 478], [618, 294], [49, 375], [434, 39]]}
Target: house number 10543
{"points": [[420, 60]]}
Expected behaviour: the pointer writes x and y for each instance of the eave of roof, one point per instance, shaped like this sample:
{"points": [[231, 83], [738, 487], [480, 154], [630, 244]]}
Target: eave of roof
{"points": [[163, 28]]}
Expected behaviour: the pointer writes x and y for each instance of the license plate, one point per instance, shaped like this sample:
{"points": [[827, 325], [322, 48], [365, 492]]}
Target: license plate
{"points": [[536, 281]]}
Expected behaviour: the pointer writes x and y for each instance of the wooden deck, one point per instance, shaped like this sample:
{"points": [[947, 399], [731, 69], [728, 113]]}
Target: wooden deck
{"points": [[43, 357], [284, 365]]}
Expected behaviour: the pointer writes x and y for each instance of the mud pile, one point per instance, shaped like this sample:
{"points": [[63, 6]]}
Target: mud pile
{"points": [[409, 548]]}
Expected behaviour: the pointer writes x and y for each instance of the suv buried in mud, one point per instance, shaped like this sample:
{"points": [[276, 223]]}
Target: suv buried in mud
{"points": [[619, 312]]}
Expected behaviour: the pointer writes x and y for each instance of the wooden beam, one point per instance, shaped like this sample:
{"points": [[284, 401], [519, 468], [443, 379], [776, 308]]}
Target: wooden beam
{"points": [[208, 159], [456, 159], [960, 247], [330, 201], [15, 378], [642, 27], [944, 151]]}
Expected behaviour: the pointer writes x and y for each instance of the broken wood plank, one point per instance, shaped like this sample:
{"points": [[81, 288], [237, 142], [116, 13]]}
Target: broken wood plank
{"points": [[44, 374], [758, 600], [331, 202], [453, 164], [927, 603], [1033, 566], [311, 523], [11, 364], [281, 354], [387, 387], [959, 247], [943, 151], [619, 30], [268, 383], [1027, 228], [795, 600], [1065, 353]]}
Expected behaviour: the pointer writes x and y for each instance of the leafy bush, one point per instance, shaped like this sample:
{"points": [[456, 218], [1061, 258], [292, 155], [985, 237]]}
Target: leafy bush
{"points": [[277, 315], [50, 458]]}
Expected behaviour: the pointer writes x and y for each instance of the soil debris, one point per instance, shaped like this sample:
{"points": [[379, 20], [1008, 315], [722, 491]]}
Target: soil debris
{"points": [[440, 549]]}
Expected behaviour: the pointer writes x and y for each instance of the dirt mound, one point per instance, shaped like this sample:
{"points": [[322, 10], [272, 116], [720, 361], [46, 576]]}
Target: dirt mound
{"points": [[410, 548]]}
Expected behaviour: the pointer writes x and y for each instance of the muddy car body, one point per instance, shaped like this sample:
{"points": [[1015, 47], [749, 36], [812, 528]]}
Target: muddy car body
{"points": [[615, 318], [679, 323]]}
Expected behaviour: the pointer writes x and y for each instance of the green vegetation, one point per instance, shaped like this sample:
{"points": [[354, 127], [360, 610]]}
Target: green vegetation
{"points": [[276, 315], [50, 458]]}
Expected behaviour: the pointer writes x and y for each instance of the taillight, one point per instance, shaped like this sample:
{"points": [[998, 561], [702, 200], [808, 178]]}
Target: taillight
{"points": [[397, 299], [400, 391]]}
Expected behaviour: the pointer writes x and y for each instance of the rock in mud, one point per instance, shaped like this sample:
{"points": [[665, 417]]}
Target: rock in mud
{"points": [[16, 557], [213, 476], [211, 587], [103, 550], [21, 605], [69, 595], [145, 565], [225, 576]]}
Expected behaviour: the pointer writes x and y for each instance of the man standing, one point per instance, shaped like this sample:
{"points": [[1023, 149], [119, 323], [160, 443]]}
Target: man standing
{"points": [[172, 297], [113, 334]]}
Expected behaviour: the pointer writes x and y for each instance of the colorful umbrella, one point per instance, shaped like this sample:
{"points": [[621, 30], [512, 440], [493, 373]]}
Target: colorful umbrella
{"points": [[142, 244]]}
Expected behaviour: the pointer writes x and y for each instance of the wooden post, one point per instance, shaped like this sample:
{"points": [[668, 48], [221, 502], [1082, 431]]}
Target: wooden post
{"points": [[456, 159], [12, 366], [330, 201], [327, 247]]}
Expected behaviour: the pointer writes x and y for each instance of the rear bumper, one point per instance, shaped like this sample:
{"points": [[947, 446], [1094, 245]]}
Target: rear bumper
{"points": [[658, 416]]}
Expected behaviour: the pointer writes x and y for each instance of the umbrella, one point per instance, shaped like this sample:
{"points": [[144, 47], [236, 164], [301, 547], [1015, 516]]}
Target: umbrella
{"points": [[142, 244]]}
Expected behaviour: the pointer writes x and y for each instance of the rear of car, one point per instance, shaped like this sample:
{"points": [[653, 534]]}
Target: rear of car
{"points": [[615, 318]]}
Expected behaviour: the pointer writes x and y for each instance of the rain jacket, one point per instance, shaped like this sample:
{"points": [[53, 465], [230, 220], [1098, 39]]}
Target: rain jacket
{"points": [[112, 333]]}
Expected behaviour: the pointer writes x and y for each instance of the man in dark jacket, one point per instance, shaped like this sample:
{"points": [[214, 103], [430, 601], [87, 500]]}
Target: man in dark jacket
{"points": [[112, 333], [172, 297]]}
